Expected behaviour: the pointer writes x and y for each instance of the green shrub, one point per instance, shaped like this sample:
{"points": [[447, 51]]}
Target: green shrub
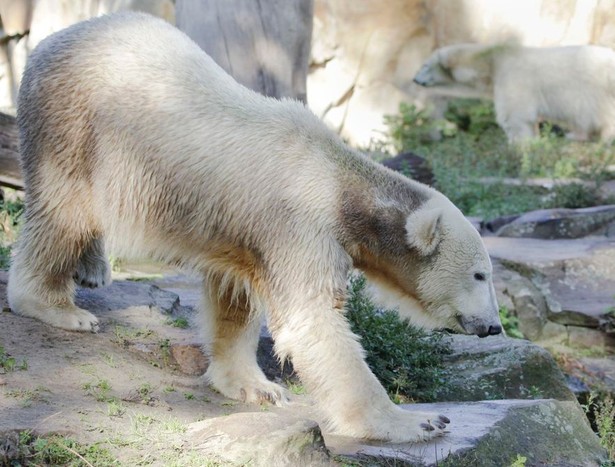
{"points": [[473, 116], [604, 416], [407, 361], [473, 154], [573, 196], [10, 216], [510, 323]]}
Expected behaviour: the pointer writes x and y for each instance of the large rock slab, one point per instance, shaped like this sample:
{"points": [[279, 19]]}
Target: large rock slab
{"points": [[260, 439], [577, 277], [499, 367], [545, 432], [549, 224]]}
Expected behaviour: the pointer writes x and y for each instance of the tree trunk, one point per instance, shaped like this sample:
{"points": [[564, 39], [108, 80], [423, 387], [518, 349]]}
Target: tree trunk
{"points": [[10, 172], [263, 44]]}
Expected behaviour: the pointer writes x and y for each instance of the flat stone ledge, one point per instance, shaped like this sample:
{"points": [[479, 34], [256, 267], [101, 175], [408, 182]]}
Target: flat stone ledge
{"points": [[260, 439], [491, 433]]}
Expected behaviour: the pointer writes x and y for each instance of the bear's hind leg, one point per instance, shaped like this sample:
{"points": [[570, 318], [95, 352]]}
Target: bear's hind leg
{"points": [[93, 269], [41, 283], [232, 332]]}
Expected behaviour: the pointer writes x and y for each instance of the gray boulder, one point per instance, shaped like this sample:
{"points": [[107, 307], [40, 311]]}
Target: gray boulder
{"points": [[499, 367], [562, 223], [576, 277]]}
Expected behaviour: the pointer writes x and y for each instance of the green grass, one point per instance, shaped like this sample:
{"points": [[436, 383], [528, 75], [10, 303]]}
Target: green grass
{"points": [[99, 390], [473, 161], [29, 396], [29, 449], [180, 322], [9, 363], [407, 361]]}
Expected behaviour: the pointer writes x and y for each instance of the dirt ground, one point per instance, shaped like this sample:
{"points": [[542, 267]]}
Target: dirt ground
{"points": [[119, 388]]}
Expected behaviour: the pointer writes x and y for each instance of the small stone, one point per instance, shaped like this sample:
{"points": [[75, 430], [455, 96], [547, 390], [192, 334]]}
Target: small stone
{"points": [[190, 358]]}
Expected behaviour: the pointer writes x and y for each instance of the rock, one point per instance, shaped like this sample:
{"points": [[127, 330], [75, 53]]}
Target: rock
{"points": [[260, 439], [545, 432], [412, 166], [125, 294], [561, 223], [493, 225], [190, 358], [522, 299], [500, 368], [576, 277]]}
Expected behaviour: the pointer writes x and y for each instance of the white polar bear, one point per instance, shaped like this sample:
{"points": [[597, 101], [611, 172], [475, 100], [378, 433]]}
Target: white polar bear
{"points": [[133, 140], [572, 85]]}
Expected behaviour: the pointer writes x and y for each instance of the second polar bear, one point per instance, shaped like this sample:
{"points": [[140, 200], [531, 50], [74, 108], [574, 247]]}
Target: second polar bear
{"points": [[133, 140], [573, 85]]}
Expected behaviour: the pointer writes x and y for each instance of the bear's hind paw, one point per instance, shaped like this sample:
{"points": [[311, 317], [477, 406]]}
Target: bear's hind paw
{"points": [[92, 274], [249, 389], [272, 393]]}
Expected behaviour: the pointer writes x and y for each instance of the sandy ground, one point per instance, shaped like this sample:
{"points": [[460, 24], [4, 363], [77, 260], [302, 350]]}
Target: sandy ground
{"points": [[118, 388]]}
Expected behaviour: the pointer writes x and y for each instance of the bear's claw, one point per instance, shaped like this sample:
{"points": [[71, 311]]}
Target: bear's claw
{"points": [[444, 419], [427, 427]]}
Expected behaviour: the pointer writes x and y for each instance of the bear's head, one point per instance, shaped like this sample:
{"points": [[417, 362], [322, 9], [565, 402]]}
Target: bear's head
{"points": [[442, 275], [466, 65]]}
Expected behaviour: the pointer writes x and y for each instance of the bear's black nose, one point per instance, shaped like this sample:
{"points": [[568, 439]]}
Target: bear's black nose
{"points": [[493, 330]]}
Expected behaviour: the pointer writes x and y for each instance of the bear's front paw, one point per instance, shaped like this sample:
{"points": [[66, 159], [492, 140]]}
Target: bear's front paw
{"points": [[418, 426], [73, 319], [396, 425]]}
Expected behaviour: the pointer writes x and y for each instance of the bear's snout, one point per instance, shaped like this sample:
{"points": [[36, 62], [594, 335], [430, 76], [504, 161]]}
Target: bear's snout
{"points": [[491, 331], [479, 327]]}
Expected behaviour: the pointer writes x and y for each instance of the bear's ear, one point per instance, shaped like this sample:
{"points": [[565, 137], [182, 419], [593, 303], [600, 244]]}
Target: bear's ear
{"points": [[424, 230]]}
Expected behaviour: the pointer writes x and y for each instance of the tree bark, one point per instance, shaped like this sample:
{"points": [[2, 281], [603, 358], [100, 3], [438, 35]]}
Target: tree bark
{"points": [[10, 172], [263, 44]]}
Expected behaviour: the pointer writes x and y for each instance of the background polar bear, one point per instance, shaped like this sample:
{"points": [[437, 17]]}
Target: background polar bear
{"points": [[134, 140], [572, 85]]}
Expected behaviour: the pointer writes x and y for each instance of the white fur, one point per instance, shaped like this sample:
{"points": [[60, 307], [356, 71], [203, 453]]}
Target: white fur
{"points": [[134, 141], [573, 85]]}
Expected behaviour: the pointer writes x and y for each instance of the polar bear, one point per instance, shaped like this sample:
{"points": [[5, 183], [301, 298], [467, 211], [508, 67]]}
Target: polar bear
{"points": [[572, 85], [133, 140]]}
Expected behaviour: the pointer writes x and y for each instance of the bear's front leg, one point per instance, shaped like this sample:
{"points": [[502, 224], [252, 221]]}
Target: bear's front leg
{"points": [[232, 331], [330, 362]]}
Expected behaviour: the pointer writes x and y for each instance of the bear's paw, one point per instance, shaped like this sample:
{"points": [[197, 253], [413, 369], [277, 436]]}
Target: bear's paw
{"points": [[250, 387], [93, 273], [419, 426], [399, 426]]}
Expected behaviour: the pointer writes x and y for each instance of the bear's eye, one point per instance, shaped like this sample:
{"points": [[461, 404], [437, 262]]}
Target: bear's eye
{"points": [[479, 276]]}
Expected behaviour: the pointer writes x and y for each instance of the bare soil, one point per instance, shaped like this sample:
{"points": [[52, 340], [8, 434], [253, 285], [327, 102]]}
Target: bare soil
{"points": [[120, 388]]}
